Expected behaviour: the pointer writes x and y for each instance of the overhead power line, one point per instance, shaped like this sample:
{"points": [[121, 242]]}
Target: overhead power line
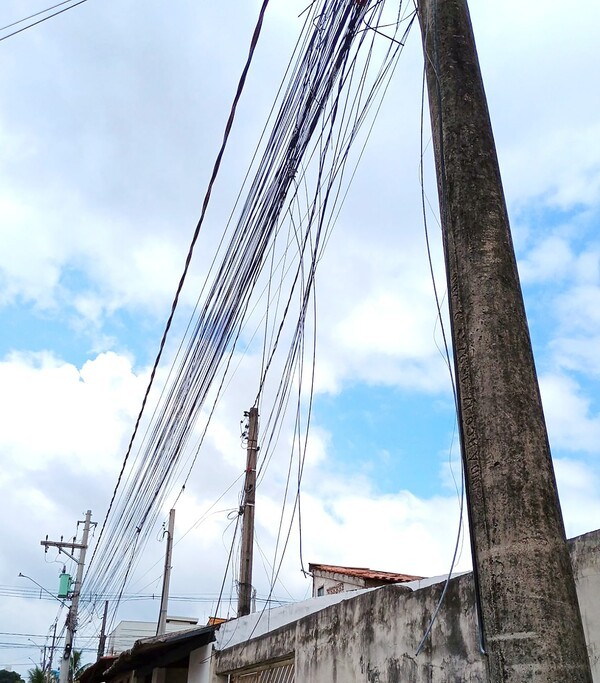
{"points": [[39, 21], [299, 181]]}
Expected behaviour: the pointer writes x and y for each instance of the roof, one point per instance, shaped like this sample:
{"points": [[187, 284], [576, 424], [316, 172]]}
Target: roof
{"points": [[363, 573], [95, 672], [161, 650]]}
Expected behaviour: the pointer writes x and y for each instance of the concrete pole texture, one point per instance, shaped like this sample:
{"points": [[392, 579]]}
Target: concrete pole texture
{"points": [[65, 663], [247, 551], [161, 625], [531, 621]]}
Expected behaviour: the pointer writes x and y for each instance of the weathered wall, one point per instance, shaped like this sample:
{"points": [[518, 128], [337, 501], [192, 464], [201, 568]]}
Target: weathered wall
{"points": [[372, 637], [585, 558], [200, 665]]}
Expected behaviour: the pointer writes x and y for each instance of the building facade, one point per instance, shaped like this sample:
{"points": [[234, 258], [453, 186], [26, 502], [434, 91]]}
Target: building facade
{"points": [[368, 635], [329, 579]]}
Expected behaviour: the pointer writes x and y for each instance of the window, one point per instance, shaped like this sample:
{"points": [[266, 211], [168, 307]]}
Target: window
{"points": [[278, 673], [320, 591]]}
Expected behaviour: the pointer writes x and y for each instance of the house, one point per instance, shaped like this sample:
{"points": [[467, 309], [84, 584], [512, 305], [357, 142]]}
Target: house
{"points": [[167, 658], [95, 673], [373, 634], [126, 633], [329, 579]]}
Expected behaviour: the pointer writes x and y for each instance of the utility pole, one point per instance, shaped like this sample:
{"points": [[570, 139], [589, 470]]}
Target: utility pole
{"points": [[164, 600], [102, 639], [532, 627], [49, 675], [72, 615], [245, 591]]}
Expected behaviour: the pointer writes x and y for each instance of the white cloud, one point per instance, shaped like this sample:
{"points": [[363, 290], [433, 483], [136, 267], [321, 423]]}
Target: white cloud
{"points": [[55, 413], [107, 143], [579, 308], [549, 260], [399, 532], [542, 107], [578, 353], [571, 423], [578, 487], [564, 169]]}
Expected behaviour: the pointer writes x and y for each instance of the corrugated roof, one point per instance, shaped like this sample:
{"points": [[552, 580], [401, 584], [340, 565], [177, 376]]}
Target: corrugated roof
{"points": [[95, 672], [364, 573], [162, 649]]}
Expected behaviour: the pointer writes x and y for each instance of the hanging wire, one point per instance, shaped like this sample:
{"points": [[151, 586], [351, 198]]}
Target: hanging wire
{"points": [[331, 89]]}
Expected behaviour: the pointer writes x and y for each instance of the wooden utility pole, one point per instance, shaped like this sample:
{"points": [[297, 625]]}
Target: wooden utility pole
{"points": [[245, 591], [102, 639], [72, 615], [164, 601], [531, 622]]}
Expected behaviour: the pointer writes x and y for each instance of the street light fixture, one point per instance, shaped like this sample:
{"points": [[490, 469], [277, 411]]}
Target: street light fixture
{"points": [[24, 576]]}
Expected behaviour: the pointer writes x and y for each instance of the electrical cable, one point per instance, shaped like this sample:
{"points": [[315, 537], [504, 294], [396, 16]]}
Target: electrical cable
{"points": [[433, 61], [40, 21], [31, 16], [326, 101], [215, 171]]}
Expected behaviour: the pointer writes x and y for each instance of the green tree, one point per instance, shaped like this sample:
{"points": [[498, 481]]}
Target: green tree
{"points": [[76, 668], [7, 676], [36, 675]]}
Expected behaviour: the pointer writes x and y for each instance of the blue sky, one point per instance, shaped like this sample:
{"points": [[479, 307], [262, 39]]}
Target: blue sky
{"points": [[386, 436], [109, 125]]}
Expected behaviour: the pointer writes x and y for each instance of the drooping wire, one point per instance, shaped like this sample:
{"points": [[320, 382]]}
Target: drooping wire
{"points": [[321, 73], [215, 172], [432, 61], [127, 519]]}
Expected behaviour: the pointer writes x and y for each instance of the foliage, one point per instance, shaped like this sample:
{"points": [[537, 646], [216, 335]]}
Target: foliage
{"points": [[76, 668], [7, 676], [36, 675]]}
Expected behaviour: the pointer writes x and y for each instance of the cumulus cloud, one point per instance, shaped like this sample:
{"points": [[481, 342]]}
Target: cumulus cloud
{"points": [[551, 259], [107, 143], [55, 413], [543, 129], [578, 490], [572, 424]]}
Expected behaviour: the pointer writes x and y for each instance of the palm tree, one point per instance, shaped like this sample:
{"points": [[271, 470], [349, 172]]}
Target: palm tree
{"points": [[36, 675], [76, 668]]}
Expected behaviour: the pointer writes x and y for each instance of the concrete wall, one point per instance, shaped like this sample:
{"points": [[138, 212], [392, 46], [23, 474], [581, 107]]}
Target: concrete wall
{"points": [[585, 557], [199, 670], [373, 636]]}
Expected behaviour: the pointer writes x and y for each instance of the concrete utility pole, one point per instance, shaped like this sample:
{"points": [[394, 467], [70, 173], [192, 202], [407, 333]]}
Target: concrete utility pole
{"points": [[48, 674], [72, 615], [164, 600], [102, 639], [245, 594], [531, 622]]}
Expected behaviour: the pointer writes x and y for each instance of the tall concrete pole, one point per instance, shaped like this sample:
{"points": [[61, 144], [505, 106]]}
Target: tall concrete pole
{"points": [[245, 594], [49, 675], [72, 616], [102, 639], [164, 601], [530, 614]]}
